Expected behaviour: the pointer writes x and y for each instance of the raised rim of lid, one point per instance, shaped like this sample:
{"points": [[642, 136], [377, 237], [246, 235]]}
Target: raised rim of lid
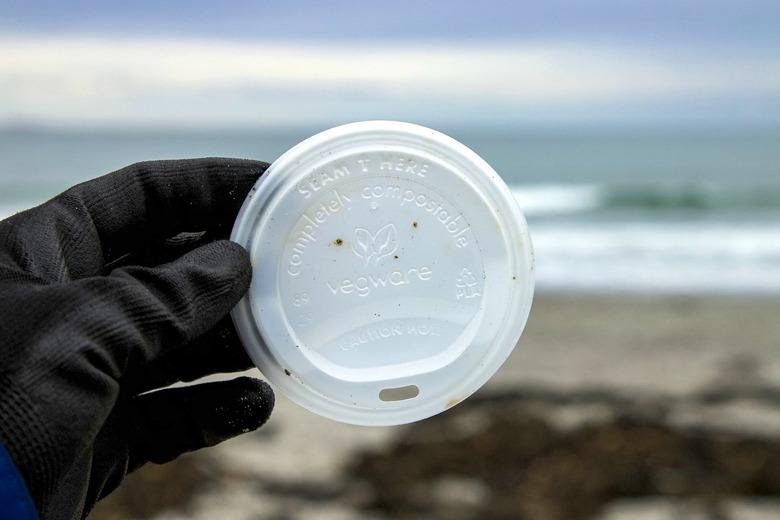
{"points": [[263, 202]]}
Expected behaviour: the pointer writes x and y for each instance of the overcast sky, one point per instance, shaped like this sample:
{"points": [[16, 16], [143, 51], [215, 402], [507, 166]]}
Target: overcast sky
{"points": [[457, 62]]}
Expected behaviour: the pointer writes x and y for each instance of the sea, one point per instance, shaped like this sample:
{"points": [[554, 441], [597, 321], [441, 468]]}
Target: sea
{"points": [[611, 210]]}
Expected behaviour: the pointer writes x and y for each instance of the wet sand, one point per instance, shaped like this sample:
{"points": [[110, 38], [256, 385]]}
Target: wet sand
{"points": [[675, 344], [707, 364]]}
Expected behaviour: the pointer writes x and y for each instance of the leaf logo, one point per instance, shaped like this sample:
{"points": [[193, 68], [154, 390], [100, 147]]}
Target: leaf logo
{"points": [[374, 247]]}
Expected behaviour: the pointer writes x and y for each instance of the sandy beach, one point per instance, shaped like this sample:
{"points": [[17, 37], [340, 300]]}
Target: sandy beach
{"points": [[671, 344], [643, 371]]}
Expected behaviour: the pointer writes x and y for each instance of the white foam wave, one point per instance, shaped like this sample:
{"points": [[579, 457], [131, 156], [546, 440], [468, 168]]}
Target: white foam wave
{"points": [[658, 257], [546, 199]]}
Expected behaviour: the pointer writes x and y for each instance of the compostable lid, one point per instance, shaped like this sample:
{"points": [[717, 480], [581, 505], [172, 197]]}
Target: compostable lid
{"points": [[392, 273]]}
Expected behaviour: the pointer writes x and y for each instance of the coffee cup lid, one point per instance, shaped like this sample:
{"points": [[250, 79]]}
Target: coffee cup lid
{"points": [[392, 273]]}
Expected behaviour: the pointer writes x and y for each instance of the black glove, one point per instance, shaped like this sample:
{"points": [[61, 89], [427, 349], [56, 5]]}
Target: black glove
{"points": [[119, 286]]}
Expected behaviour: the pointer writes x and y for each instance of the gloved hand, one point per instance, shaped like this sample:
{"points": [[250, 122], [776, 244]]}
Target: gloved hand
{"points": [[119, 286]]}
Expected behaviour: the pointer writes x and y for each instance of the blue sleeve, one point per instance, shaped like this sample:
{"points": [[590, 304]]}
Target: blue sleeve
{"points": [[15, 501]]}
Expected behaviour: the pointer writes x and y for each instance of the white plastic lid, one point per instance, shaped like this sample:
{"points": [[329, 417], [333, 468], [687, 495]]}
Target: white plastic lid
{"points": [[392, 273]]}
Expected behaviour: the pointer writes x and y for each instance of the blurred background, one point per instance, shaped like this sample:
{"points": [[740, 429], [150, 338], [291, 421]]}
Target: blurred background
{"points": [[642, 140]]}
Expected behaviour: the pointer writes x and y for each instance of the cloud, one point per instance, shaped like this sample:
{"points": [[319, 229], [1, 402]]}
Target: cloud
{"points": [[139, 81]]}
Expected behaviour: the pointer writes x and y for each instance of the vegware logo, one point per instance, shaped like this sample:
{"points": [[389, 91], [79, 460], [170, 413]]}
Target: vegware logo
{"points": [[365, 285], [373, 247]]}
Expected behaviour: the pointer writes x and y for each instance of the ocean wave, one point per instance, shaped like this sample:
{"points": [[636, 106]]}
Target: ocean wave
{"points": [[550, 199], [668, 257], [555, 199]]}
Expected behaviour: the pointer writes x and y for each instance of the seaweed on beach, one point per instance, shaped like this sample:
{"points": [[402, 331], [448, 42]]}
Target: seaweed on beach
{"points": [[505, 457]]}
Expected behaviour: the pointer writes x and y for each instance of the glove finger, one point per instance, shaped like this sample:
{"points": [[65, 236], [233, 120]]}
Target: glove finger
{"points": [[168, 423], [161, 251], [163, 198], [78, 232], [217, 351], [138, 313]]}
